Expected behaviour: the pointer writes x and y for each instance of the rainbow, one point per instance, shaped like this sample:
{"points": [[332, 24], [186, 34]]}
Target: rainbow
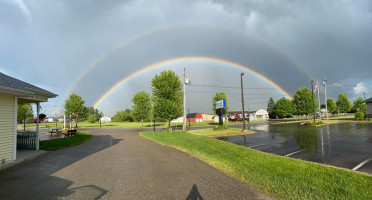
{"points": [[145, 34], [178, 60]]}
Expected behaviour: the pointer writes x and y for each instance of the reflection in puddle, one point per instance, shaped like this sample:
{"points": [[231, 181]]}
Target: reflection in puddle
{"points": [[339, 144]]}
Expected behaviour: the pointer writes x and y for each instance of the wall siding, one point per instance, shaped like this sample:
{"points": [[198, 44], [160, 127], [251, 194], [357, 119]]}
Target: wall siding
{"points": [[6, 128]]}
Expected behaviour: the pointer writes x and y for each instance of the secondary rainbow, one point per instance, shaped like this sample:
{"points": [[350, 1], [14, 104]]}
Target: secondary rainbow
{"points": [[189, 59], [145, 34]]}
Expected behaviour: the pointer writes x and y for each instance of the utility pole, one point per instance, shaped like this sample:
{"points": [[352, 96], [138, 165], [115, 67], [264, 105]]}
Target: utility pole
{"points": [[364, 96], [184, 99], [312, 98], [325, 95], [241, 86]]}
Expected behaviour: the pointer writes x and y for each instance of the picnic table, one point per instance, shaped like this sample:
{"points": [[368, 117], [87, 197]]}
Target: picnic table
{"points": [[55, 130], [69, 133]]}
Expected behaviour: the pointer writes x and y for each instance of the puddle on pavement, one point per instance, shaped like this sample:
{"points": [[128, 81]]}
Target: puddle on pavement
{"points": [[343, 145]]}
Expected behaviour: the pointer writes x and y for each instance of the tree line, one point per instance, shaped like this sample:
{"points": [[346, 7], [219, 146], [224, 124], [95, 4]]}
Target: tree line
{"points": [[302, 104]]}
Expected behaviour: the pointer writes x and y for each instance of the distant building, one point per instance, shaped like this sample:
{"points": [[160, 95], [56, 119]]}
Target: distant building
{"points": [[199, 117], [50, 119], [194, 117], [105, 119], [369, 107], [251, 115]]}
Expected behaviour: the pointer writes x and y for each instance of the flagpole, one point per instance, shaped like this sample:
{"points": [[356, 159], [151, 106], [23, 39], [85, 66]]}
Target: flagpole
{"points": [[320, 116], [325, 95], [184, 99]]}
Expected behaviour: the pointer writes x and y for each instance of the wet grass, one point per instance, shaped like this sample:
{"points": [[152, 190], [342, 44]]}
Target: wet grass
{"points": [[282, 177], [220, 132], [52, 145], [127, 124]]}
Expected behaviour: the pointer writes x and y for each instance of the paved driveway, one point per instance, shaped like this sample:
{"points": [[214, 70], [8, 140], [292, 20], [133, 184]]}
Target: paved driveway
{"points": [[119, 164]]}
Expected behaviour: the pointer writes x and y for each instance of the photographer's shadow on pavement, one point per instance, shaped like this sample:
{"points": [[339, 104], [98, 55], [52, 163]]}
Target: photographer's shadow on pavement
{"points": [[194, 194]]}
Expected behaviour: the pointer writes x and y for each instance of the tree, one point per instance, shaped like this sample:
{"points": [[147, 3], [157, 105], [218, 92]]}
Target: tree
{"points": [[74, 105], [359, 105], [92, 118], [123, 116], [331, 104], [42, 116], [283, 108], [167, 96], [359, 115], [219, 96], [141, 106], [270, 108], [303, 102], [24, 109], [93, 111], [343, 103]]}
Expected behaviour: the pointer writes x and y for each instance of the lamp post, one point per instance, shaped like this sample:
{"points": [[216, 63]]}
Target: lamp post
{"points": [[241, 86], [312, 97]]}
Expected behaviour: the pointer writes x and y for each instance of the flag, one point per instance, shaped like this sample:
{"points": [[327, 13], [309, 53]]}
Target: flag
{"points": [[316, 87]]}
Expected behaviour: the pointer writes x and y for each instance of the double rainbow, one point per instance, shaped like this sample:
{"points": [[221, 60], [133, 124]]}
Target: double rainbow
{"points": [[187, 60]]}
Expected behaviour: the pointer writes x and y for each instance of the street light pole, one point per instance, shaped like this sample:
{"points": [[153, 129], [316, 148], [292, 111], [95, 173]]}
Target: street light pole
{"points": [[241, 87], [312, 98]]}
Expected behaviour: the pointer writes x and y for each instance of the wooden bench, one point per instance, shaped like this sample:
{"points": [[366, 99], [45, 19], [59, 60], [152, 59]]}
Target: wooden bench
{"points": [[55, 130], [70, 133]]}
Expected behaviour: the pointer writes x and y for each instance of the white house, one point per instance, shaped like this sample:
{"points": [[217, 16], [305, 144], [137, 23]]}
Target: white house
{"points": [[12, 93], [105, 119]]}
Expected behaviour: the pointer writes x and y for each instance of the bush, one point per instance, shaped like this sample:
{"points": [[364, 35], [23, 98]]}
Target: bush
{"points": [[221, 127], [359, 115], [312, 123]]}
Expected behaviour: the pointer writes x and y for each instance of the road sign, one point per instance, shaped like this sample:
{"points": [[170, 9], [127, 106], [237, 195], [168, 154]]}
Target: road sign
{"points": [[221, 104]]}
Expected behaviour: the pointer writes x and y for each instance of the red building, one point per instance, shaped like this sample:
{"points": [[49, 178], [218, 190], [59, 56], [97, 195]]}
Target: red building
{"points": [[194, 117]]}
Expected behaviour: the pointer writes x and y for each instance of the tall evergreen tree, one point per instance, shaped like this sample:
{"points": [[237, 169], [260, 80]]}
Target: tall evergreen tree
{"points": [[270, 108]]}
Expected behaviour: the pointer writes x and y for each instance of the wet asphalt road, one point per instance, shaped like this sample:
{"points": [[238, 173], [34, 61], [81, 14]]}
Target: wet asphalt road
{"points": [[120, 164]]}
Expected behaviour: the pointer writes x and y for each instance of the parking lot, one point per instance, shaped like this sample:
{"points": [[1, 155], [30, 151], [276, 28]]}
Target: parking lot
{"points": [[346, 145]]}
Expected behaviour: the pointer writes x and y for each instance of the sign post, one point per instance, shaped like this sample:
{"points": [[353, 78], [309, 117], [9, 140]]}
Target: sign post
{"points": [[221, 110]]}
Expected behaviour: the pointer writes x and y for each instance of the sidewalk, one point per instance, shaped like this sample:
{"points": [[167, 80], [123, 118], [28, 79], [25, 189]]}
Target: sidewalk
{"points": [[24, 155]]}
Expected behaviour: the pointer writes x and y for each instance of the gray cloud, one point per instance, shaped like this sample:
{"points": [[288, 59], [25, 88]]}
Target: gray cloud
{"points": [[63, 38]]}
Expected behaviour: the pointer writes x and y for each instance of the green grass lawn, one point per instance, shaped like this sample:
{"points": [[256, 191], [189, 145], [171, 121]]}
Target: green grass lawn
{"points": [[222, 132], [126, 124], [52, 145], [282, 177]]}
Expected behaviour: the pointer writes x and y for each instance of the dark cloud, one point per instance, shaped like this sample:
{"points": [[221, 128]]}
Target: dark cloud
{"points": [[50, 43]]}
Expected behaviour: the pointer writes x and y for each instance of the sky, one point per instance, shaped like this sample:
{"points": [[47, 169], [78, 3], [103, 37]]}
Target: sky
{"points": [[87, 46]]}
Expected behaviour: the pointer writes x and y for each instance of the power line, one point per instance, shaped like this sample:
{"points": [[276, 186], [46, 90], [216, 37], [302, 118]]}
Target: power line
{"points": [[231, 87], [269, 95]]}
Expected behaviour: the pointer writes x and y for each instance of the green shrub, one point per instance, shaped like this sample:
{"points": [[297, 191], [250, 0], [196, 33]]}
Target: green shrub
{"points": [[312, 123], [359, 115], [220, 127]]}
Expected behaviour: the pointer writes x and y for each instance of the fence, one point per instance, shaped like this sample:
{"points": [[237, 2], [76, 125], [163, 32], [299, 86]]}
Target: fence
{"points": [[26, 141]]}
